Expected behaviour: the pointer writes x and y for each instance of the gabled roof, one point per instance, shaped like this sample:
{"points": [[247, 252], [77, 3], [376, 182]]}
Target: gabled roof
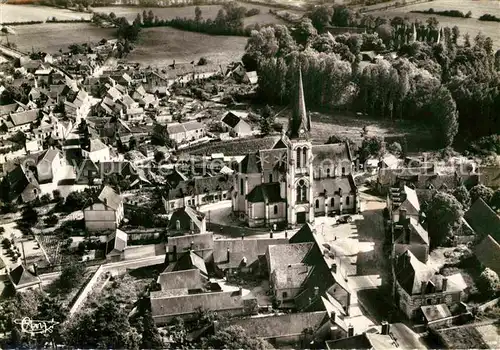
{"points": [[483, 220], [266, 192], [286, 254], [187, 261], [231, 119], [186, 215], [116, 241], [96, 145], [25, 117], [49, 155], [334, 152], [7, 109], [21, 277], [488, 253], [186, 279], [271, 159], [418, 234], [110, 198]]}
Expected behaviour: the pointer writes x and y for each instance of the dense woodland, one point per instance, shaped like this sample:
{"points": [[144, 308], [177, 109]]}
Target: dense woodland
{"points": [[443, 79]]}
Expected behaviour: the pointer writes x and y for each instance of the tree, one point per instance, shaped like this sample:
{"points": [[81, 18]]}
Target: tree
{"points": [[76, 200], [462, 195], [53, 309], [56, 194], [29, 215], [160, 136], [132, 143], [235, 337], [488, 283], [495, 201], [481, 191], [443, 216], [197, 14], [151, 338], [159, 156], [371, 146], [305, 32], [71, 276], [266, 120], [320, 17], [444, 112]]}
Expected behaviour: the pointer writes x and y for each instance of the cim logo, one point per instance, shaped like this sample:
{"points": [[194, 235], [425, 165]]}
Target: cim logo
{"points": [[36, 326]]}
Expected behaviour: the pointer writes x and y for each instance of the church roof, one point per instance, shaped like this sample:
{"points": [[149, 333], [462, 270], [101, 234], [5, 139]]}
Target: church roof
{"points": [[300, 123]]}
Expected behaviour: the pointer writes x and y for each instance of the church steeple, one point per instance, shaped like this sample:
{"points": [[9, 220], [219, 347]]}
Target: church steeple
{"points": [[300, 123]]}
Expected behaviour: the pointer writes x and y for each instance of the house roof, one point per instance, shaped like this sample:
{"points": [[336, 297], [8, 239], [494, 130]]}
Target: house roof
{"points": [[271, 159], [21, 277], [110, 198], [292, 276], [276, 326], [488, 253], [187, 261], [186, 279], [96, 145], [116, 241], [231, 119], [252, 77], [7, 109], [164, 305], [483, 220], [250, 164], [266, 192], [418, 234], [285, 254], [201, 186], [250, 249], [333, 152], [186, 215], [25, 117], [50, 155], [176, 128]]}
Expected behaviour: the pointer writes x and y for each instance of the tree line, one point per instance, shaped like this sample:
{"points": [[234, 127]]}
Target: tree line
{"points": [[434, 80]]}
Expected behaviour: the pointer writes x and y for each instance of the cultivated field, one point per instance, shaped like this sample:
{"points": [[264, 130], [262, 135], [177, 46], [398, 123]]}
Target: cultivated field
{"points": [[23, 13], [208, 11], [159, 46], [50, 37], [466, 25]]}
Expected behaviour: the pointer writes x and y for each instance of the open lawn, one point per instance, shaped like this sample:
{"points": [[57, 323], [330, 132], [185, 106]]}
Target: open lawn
{"points": [[23, 13], [467, 25], [50, 37], [208, 11], [159, 46]]}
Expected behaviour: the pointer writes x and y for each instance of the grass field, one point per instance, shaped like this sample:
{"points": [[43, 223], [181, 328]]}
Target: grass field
{"points": [[50, 37], [159, 46], [208, 11], [466, 25], [22, 13]]}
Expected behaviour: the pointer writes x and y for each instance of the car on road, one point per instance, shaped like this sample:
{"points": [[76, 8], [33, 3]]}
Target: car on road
{"points": [[343, 219]]}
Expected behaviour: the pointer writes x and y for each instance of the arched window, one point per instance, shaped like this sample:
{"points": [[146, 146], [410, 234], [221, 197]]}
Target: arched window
{"points": [[347, 199], [332, 202], [301, 191], [241, 185], [304, 152], [299, 153], [317, 203], [275, 209], [327, 172], [343, 170]]}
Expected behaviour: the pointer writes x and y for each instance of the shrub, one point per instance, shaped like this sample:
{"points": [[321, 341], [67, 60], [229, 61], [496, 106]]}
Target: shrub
{"points": [[488, 17], [395, 148], [6, 243], [203, 61], [51, 220], [488, 283], [45, 199], [252, 12]]}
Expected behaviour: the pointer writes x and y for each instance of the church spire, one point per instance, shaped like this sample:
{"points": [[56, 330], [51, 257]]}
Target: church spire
{"points": [[300, 123]]}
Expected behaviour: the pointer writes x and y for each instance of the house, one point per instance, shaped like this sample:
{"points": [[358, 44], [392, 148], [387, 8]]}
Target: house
{"points": [[294, 330], [48, 166], [97, 151], [20, 184], [186, 132], [22, 279], [384, 337], [156, 84], [490, 176], [184, 279], [408, 234], [250, 78], [236, 125], [77, 105], [201, 243], [235, 256], [106, 213], [21, 121], [416, 285], [187, 219], [116, 243]]}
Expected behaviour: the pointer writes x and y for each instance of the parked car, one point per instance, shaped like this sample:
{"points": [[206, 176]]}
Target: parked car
{"points": [[344, 219]]}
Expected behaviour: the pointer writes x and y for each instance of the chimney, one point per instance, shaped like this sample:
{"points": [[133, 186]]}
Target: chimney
{"points": [[316, 291], [191, 246], [216, 326], [333, 268], [271, 234], [105, 201], [167, 256], [177, 225], [286, 234], [402, 215], [35, 271], [191, 226], [289, 275], [350, 331], [228, 255], [445, 284], [240, 291], [175, 253], [423, 286], [385, 328]]}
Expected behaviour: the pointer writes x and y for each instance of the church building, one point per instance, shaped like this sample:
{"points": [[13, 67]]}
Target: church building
{"points": [[295, 181]]}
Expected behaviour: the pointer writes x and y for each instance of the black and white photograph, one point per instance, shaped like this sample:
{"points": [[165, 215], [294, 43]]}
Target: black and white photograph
{"points": [[250, 174]]}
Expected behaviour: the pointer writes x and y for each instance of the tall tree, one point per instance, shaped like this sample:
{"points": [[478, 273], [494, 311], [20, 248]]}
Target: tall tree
{"points": [[462, 195], [443, 216], [481, 191]]}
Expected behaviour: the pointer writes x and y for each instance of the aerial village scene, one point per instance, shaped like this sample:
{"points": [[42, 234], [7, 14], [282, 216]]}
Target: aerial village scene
{"points": [[254, 174]]}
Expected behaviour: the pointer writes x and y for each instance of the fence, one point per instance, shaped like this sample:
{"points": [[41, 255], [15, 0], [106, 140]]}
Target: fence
{"points": [[85, 292], [483, 307]]}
